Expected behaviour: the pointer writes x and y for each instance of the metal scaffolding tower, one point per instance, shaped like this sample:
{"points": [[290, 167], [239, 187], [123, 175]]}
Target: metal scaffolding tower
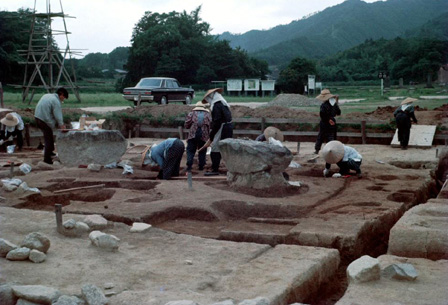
{"points": [[45, 61]]}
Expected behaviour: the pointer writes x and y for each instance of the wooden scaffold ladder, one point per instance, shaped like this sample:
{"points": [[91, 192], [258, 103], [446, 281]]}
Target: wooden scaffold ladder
{"points": [[45, 61]]}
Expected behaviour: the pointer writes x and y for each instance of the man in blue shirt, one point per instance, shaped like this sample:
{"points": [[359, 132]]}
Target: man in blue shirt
{"points": [[167, 155]]}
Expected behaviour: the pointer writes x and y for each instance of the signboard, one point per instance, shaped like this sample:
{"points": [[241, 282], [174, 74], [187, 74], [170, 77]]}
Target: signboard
{"points": [[234, 85], [251, 84], [319, 85], [267, 85], [311, 82], [382, 75]]}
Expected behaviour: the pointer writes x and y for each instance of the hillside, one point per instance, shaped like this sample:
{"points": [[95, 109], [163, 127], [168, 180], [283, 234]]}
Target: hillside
{"points": [[338, 28]]}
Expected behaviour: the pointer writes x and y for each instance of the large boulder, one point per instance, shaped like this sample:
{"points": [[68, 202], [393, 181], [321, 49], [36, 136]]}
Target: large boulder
{"points": [[86, 147], [255, 164], [36, 241]]}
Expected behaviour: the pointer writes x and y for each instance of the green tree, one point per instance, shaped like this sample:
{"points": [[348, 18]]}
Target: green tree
{"points": [[294, 78]]}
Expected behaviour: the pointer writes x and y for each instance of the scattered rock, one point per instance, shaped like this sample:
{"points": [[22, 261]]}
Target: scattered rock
{"points": [[256, 301], [138, 227], [25, 302], [93, 295], [6, 246], [36, 241], [69, 224], [37, 257], [402, 272], [188, 262], [69, 300], [18, 254], [44, 166], [109, 285], [255, 164], [94, 167], [37, 293], [7, 297], [226, 302], [364, 269], [104, 241], [96, 222], [182, 302]]}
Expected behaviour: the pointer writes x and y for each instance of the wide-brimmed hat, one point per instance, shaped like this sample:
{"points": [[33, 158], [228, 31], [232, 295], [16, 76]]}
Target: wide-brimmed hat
{"points": [[220, 90], [272, 132], [10, 120], [408, 100], [201, 107], [333, 152], [325, 95]]}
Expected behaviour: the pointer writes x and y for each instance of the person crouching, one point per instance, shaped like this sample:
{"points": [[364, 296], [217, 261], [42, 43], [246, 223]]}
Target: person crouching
{"points": [[344, 156], [167, 155]]}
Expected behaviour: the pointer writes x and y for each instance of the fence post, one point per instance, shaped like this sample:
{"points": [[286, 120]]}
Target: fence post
{"points": [[263, 123], [27, 134], [363, 132], [181, 132], [1, 96]]}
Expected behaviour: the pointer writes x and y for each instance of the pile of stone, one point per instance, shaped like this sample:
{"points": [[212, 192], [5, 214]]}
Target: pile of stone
{"points": [[366, 269], [34, 248], [38, 294], [293, 100]]}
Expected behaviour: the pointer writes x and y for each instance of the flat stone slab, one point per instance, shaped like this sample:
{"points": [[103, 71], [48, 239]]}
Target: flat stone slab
{"points": [[422, 232], [428, 288], [421, 136], [158, 267], [86, 147]]}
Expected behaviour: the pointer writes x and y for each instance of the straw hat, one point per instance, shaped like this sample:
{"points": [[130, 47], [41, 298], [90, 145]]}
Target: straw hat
{"points": [[10, 120], [272, 132], [201, 107], [333, 152], [325, 95], [144, 152], [220, 90], [408, 100]]}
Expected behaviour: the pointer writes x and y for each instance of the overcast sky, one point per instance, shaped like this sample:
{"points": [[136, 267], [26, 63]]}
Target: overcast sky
{"points": [[102, 25]]}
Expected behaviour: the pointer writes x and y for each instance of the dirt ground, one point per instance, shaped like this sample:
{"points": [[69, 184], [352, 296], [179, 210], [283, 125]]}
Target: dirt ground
{"points": [[349, 214]]}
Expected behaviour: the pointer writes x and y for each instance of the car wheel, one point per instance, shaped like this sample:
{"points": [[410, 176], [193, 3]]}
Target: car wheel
{"points": [[187, 100], [163, 100]]}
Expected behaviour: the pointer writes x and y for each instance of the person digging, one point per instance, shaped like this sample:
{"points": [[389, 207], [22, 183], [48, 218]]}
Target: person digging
{"points": [[344, 156]]}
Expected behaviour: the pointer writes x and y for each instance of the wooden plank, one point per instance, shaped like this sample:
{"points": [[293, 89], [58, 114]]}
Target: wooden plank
{"points": [[421, 136], [79, 188]]}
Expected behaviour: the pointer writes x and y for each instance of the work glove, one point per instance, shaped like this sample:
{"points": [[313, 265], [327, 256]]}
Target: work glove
{"points": [[337, 175], [326, 172]]}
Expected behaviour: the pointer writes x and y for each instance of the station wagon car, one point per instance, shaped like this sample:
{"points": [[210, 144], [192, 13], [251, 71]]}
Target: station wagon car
{"points": [[161, 90]]}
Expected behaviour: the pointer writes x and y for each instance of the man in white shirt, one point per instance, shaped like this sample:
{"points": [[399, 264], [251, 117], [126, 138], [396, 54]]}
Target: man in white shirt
{"points": [[344, 156]]}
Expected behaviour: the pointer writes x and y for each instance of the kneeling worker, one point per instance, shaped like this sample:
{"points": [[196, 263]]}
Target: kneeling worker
{"points": [[345, 157], [167, 155], [14, 126]]}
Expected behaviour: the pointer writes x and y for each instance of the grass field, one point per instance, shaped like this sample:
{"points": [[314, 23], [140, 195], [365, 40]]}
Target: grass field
{"points": [[371, 96]]}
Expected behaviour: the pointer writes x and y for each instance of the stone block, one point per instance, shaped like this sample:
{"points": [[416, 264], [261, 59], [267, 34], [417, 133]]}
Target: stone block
{"points": [[402, 272], [18, 254], [255, 164], [364, 269], [86, 147], [37, 293], [7, 297], [96, 222], [93, 295], [69, 300], [138, 227], [6, 246], [36, 241], [37, 257], [104, 241]]}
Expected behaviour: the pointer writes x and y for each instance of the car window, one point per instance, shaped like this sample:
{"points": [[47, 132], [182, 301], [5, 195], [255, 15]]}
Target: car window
{"points": [[175, 84], [149, 82], [169, 83]]}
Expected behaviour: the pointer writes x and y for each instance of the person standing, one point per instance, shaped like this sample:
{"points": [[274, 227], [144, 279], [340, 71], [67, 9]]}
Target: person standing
{"points": [[221, 126], [167, 155], [328, 111], [199, 121], [403, 115], [13, 128], [48, 115], [344, 156]]}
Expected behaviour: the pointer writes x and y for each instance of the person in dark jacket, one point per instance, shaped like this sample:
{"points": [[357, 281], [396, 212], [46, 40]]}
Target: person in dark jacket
{"points": [[403, 115], [198, 121], [13, 125], [328, 111], [221, 126], [166, 155]]}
